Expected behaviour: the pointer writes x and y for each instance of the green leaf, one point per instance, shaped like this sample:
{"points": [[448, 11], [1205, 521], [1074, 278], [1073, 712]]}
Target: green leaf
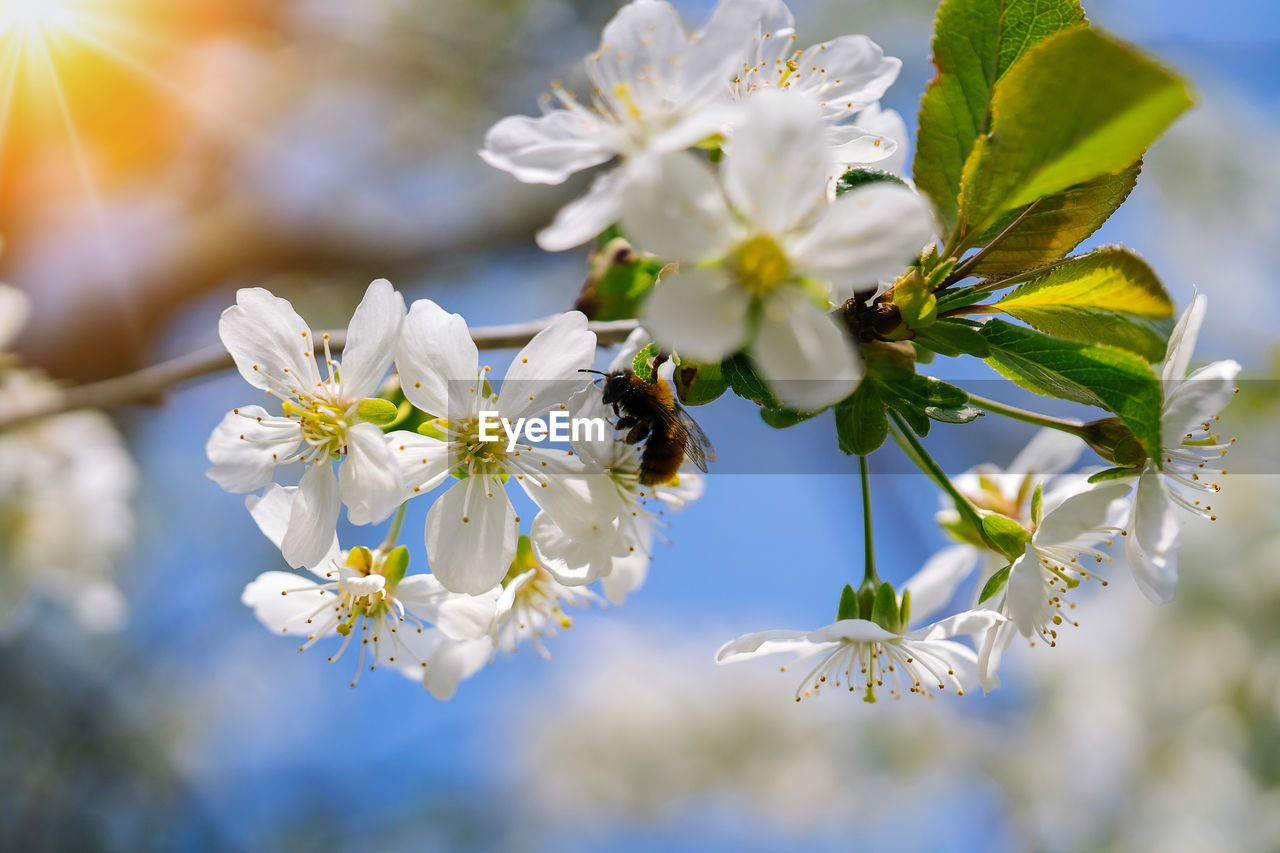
{"points": [[953, 338], [1006, 534], [975, 42], [642, 364], [745, 382], [922, 398], [699, 384], [1095, 375], [994, 584], [1109, 296], [784, 418], [1078, 106], [854, 178], [1054, 225], [861, 424]]}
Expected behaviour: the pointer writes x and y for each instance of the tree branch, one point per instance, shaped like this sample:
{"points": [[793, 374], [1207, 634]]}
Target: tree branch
{"points": [[148, 385]]}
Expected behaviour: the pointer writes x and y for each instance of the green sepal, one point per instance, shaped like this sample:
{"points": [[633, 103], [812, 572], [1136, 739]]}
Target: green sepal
{"points": [[848, 608], [360, 558], [917, 305], [1117, 473], [884, 609], [377, 411], [431, 429], [1037, 504], [904, 612], [784, 418], [1006, 534], [994, 584], [699, 384], [394, 566]]}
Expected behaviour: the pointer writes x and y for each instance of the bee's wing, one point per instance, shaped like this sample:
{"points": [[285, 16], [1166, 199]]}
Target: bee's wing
{"points": [[696, 446]]}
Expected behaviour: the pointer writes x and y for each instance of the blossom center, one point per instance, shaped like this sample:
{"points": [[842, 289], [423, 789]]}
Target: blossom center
{"points": [[760, 265], [324, 421]]}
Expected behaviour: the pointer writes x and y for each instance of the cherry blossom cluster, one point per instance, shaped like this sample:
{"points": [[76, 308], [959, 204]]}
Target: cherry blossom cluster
{"points": [[491, 587], [725, 158]]}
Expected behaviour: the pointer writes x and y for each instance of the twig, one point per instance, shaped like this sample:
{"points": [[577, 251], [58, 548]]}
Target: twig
{"points": [[149, 384]]}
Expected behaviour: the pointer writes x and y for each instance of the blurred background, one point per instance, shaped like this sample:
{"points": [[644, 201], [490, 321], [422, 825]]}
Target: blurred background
{"points": [[157, 154]]}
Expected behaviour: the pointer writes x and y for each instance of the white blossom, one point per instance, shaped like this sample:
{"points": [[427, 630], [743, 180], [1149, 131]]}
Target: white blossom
{"points": [[322, 420], [361, 595], [765, 253], [654, 89], [1063, 541], [866, 655], [845, 77], [471, 530], [1189, 466]]}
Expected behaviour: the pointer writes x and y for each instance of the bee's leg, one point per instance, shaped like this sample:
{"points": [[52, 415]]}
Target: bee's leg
{"points": [[624, 423], [638, 433]]}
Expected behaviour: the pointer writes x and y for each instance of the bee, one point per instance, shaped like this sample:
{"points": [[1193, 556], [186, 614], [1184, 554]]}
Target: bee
{"points": [[649, 412]]}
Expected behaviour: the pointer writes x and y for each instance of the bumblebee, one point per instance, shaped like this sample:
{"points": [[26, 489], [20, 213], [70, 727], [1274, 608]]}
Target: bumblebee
{"points": [[649, 412]]}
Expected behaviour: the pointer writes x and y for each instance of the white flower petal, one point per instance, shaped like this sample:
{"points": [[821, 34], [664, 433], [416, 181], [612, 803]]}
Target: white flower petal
{"points": [[314, 517], [1079, 514], [1049, 452], [855, 145], [804, 354], [570, 560], [369, 478], [1196, 400], [637, 68], [585, 218], [435, 355], [867, 235], [1151, 546], [452, 662], [678, 212], [471, 535], [717, 51], [371, 340], [777, 163], [961, 624], [548, 370], [271, 512], [246, 447], [750, 646], [272, 346], [1182, 341], [845, 75], [991, 651], [701, 314], [423, 462], [856, 630], [282, 601], [626, 576], [888, 125], [1025, 593], [459, 616], [936, 582], [549, 148]]}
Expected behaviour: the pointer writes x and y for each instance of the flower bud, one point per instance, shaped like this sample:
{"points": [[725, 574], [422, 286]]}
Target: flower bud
{"points": [[1114, 441]]}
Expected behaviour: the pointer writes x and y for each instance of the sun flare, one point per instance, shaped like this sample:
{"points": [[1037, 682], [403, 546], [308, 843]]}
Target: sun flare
{"points": [[36, 17]]}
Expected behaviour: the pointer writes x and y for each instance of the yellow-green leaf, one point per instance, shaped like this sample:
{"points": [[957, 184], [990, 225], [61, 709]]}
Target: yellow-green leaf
{"points": [[1110, 296], [1077, 106]]}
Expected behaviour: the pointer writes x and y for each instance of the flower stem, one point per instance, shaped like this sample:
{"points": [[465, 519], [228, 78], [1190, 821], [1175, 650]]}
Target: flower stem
{"points": [[916, 453], [394, 533], [149, 384], [869, 552], [1073, 427]]}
